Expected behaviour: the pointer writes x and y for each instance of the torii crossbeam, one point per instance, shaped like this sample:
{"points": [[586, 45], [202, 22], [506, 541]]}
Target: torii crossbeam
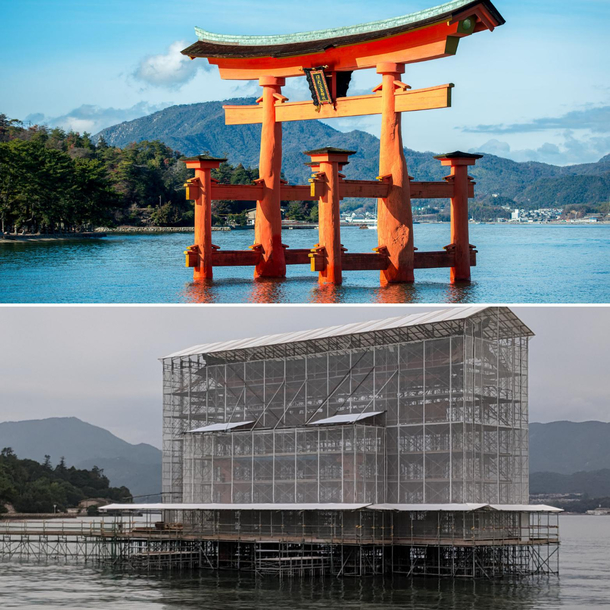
{"points": [[327, 58]]}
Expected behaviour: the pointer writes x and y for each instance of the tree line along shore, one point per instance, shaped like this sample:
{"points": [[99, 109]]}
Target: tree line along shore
{"points": [[56, 182], [27, 486], [59, 183]]}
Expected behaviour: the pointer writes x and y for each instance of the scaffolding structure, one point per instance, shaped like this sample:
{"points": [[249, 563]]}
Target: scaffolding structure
{"points": [[396, 446], [421, 409], [473, 542]]}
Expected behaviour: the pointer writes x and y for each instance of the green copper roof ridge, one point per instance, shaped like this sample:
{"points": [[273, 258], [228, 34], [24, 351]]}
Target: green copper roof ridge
{"points": [[363, 28]]}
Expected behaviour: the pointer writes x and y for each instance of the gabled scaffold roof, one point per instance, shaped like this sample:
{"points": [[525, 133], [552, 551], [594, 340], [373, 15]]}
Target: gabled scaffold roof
{"points": [[412, 320]]}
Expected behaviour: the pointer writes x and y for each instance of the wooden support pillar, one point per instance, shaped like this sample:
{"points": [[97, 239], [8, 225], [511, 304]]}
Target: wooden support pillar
{"points": [[268, 223], [199, 189], [326, 184], [394, 215], [460, 241]]}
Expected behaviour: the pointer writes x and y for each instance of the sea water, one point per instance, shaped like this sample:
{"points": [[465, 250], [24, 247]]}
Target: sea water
{"points": [[584, 582], [515, 264]]}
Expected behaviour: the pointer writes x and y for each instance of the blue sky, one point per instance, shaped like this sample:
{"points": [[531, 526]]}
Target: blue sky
{"points": [[536, 88]]}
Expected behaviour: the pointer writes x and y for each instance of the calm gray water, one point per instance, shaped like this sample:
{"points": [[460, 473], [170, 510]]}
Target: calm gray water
{"points": [[517, 264], [584, 583]]}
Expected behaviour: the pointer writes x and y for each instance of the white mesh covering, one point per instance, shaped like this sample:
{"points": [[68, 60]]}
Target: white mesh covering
{"points": [[431, 409]]}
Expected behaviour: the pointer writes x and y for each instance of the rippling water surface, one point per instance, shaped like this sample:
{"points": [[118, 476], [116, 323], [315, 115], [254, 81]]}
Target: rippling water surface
{"points": [[516, 264], [584, 582]]}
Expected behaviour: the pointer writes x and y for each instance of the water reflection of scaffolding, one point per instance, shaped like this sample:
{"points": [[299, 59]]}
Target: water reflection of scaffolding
{"points": [[480, 542]]}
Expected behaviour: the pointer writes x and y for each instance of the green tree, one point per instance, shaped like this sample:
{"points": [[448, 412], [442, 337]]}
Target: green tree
{"points": [[34, 487]]}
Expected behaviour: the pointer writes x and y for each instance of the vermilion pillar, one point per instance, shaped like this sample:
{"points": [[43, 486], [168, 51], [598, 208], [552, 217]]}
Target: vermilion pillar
{"points": [[394, 216], [329, 161], [201, 187], [460, 241], [268, 223]]}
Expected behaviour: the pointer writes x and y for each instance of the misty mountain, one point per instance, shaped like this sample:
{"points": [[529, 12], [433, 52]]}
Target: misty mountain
{"points": [[84, 445], [194, 128], [567, 447], [564, 455]]}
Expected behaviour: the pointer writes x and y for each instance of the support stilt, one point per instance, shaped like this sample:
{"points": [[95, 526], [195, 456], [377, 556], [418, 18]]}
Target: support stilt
{"points": [[328, 161], [460, 241], [394, 215], [268, 224], [199, 189]]}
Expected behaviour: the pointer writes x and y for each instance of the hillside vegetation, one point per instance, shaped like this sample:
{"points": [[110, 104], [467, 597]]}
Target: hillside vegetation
{"points": [[194, 128], [86, 446], [31, 487], [131, 173], [594, 483], [56, 181]]}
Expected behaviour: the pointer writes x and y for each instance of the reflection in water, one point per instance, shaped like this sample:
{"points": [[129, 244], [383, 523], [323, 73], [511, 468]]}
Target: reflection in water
{"points": [[224, 591], [273, 290], [268, 290], [201, 291], [327, 293], [462, 292], [60, 586], [397, 293]]}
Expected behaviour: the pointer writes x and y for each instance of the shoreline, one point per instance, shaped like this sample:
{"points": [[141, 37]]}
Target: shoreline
{"points": [[35, 516], [11, 238], [104, 232]]}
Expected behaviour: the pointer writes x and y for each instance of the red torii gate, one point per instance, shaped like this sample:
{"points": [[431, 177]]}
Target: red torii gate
{"points": [[328, 58]]}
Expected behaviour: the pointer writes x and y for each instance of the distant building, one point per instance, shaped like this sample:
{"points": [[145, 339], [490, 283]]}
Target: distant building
{"points": [[600, 511]]}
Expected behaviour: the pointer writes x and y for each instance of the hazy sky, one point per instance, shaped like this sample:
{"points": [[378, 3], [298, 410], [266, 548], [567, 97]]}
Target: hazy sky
{"points": [[101, 363], [535, 88]]}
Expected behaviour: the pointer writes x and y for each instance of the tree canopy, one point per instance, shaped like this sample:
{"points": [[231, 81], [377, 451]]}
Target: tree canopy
{"points": [[32, 487], [52, 180]]}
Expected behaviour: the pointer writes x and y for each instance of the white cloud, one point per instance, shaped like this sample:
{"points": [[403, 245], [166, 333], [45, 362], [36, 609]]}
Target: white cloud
{"points": [[92, 118], [570, 150], [170, 70], [596, 119]]}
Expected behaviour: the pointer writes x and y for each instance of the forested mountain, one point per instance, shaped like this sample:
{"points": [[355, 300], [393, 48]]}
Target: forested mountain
{"points": [[131, 174], [57, 181], [84, 445], [52, 180], [195, 128]]}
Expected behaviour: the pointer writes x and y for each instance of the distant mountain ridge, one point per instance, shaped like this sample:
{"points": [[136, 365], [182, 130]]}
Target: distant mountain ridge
{"points": [[84, 445], [595, 483], [194, 128], [564, 455], [567, 447]]}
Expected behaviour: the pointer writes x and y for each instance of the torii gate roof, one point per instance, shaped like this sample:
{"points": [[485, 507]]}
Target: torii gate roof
{"points": [[419, 36]]}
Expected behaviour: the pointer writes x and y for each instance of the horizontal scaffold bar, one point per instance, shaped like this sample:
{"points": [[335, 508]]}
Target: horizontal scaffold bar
{"points": [[243, 258], [371, 189], [350, 261], [357, 105]]}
